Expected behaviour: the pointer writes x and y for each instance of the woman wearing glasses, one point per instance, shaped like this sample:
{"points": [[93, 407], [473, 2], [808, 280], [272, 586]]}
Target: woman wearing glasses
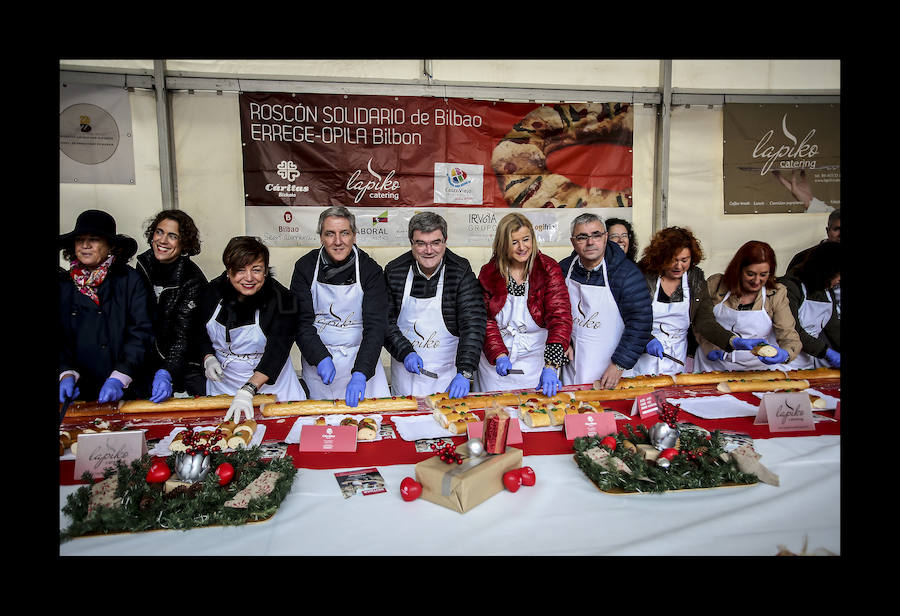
{"points": [[621, 233], [681, 302], [529, 318]]}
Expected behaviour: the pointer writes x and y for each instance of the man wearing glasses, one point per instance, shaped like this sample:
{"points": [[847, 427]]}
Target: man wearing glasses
{"points": [[611, 312], [436, 314], [342, 304]]}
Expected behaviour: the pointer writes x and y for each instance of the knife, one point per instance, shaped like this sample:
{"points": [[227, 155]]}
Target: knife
{"points": [[515, 371], [428, 373], [676, 360], [65, 407]]}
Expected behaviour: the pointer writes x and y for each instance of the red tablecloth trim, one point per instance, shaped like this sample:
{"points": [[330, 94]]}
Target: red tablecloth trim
{"points": [[387, 452]]}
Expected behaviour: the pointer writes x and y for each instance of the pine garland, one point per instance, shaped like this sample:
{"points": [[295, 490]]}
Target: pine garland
{"points": [[698, 464], [146, 506]]}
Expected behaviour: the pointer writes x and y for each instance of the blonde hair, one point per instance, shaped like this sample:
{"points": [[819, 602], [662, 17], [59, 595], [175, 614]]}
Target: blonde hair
{"points": [[508, 225]]}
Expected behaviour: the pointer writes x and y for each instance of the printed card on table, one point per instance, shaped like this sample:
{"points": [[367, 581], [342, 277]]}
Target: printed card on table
{"points": [[646, 405], [590, 424], [100, 451], [328, 438], [365, 481], [785, 412]]}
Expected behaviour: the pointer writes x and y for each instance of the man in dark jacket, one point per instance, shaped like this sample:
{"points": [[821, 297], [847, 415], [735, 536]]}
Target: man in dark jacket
{"points": [[611, 311], [436, 314], [342, 302]]}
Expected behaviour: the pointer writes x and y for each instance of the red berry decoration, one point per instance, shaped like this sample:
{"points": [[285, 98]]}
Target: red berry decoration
{"points": [[527, 475], [446, 453], [410, 489], [512, 480], [609, 442]]}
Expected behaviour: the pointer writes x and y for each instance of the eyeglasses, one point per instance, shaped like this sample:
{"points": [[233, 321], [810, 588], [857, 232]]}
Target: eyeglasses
{"points": [[581, 238], [618, 236], [435, 244]]}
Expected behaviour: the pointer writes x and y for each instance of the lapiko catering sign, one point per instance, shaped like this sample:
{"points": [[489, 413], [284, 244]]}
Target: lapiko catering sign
{"points": [[781, 158], [396, 151]]}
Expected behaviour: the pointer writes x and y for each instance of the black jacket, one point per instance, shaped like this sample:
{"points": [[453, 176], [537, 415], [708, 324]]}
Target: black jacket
{"points": [[462, 306], [175, 310], [629, 290], [374, 309], [830, 336], [116, 335], [277, 319]]}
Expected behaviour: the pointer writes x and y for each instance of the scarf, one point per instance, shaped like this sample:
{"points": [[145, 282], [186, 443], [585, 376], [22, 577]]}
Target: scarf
{"points": [[331, 270], [86, 281]]}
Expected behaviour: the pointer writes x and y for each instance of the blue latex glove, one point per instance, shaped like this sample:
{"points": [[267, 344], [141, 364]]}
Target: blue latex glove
{"points": [[459, 387], [716, 355], [413, 363], [745, 344], [67, 389], [655, 348], [162, 386], [356, 389], [833, 358], [112, 390], [503, 365], [549, 383], [326, 370], [780, 357]]}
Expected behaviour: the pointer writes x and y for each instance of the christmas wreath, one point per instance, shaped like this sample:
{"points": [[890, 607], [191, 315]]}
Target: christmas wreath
{"points": [[139, 502], [616, 463]]}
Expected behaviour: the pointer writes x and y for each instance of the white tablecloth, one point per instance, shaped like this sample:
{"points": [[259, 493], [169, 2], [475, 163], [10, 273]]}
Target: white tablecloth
{"points": [[563, 514]]}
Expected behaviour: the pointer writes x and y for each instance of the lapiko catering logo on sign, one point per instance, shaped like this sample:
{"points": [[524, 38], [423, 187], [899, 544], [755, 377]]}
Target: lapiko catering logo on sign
{"points": [[374, 186], [799, 154], [288, 171]]}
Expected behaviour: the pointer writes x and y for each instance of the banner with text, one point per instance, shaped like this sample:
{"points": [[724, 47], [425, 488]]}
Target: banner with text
{"points": [[782, 158], [392, 152]]}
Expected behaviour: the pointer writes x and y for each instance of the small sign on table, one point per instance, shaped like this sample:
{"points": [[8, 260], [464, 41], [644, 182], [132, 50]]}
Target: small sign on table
{"points": [[102, 450]]}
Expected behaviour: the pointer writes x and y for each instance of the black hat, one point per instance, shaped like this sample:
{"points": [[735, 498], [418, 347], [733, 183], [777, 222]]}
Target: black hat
{"points": [[92, 222], [99, 223]]}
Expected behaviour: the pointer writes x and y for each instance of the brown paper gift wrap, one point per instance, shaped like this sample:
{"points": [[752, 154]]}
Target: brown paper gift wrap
{"points": [[463, 486]]}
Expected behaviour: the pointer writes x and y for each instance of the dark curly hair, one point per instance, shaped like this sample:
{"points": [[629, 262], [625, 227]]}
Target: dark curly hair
{"points": [[821, 265], [667, 243], [188, 234], [751, 253], [632, 242]]}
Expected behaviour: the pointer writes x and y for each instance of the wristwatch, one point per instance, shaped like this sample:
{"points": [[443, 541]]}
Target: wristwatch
{"points": [[467, 374], [248, 386]]}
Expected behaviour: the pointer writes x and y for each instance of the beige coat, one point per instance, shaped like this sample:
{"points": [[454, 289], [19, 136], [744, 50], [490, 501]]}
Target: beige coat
{"points": [[777, 307]]}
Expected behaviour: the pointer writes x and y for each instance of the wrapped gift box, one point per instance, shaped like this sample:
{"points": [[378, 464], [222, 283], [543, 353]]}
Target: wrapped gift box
{"points": [[463, 486]]}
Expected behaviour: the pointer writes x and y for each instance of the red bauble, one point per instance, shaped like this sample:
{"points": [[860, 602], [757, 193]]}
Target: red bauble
{"points": [[609, 442], [527, 475], [512, 480], [225, 472], [410, 489], [669, 453], [159, 472]]}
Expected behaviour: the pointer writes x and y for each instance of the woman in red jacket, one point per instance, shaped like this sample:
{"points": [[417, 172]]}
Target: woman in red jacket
{"points": [[529, 318]]}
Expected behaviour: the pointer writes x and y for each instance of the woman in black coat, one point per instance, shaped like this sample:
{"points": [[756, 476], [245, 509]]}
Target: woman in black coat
{"points": [[105, 327], [175, 283]]}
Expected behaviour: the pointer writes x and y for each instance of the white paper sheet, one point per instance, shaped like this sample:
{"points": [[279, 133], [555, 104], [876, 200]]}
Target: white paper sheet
{"points": [[716, 407]]}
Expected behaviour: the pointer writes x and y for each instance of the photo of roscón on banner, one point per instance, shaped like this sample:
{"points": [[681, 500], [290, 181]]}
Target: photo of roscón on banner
{"points": [[421, 152]]}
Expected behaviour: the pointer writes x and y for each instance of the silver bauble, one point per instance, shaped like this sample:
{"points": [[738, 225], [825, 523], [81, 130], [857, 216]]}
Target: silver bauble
{"points": [[191, 468], [663, 436], [475, 447]]}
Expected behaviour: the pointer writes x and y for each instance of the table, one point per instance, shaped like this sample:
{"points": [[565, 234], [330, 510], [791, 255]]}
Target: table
{"points": [[563, 514]]}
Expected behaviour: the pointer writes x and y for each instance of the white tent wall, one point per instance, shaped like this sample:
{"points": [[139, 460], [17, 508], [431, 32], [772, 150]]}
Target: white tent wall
{"points": [[208, 163]]}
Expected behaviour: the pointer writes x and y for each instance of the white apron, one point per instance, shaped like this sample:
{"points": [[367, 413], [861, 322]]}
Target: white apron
{"points": [[339, 322], [597, 328], [746, 324], [240, 357], [670, 326], [525, 341], [422, 322], [813, 315]]}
